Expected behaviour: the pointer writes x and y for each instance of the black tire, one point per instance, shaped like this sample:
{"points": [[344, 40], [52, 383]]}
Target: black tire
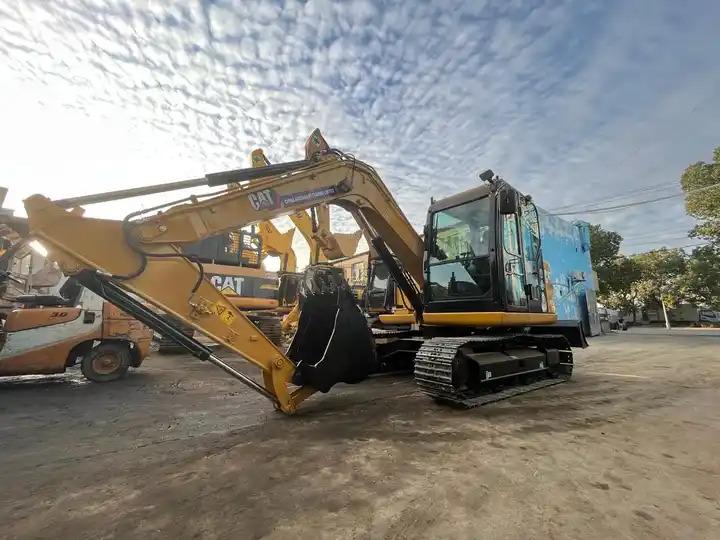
{"points": [[107, 362]]}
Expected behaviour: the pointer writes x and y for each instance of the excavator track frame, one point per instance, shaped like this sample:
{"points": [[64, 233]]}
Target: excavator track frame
{"points": [[439, 362]]}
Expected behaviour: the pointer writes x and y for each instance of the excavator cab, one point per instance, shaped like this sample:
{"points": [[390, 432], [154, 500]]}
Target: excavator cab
{"points": [[484, 253]]}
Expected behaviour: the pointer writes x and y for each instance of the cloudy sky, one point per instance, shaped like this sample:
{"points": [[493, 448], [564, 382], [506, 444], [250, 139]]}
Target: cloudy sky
{"points": [[574, 102]]}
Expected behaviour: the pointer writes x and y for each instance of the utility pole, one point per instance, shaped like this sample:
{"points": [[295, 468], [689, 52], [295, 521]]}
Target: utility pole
{"points": [[667, 321]]}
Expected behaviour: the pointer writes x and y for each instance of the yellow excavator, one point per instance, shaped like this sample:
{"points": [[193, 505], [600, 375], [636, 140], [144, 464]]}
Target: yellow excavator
{"points": [[324, 245], [233, 262], [483, 328]]}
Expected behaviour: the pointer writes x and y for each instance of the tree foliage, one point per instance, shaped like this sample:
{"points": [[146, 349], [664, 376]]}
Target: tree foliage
{"points": [[604, 245], [701, 282], [649, 279], [619, 292], [702, 200], [664, 275], [661, 280], [604, 248]]}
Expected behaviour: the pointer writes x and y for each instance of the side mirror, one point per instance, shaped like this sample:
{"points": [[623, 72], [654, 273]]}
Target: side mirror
{"points": [[508, 201]]}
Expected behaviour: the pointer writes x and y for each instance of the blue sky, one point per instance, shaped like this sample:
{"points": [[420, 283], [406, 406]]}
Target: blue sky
{"points": [[569, 101]]}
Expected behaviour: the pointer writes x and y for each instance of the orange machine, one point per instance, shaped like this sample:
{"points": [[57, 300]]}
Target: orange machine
{"points": [[49, 333]]}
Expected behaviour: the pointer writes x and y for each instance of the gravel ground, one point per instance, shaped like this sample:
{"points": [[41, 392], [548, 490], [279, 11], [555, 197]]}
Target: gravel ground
{"points": [[627, 449]]}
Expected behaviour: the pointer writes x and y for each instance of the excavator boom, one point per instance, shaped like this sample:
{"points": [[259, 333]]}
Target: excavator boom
{"points": [[142, 254], [324, 244]]}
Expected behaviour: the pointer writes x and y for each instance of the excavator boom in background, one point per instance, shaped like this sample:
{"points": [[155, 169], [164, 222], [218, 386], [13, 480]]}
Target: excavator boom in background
{"points": [[314, 226], [475, 282], [277, 244]]}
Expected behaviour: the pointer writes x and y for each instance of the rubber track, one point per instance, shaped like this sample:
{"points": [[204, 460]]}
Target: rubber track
{"points": [[433, 373]]}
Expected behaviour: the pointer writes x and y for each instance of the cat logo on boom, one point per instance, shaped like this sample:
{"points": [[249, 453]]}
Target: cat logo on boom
{"points": [[265, 199]]}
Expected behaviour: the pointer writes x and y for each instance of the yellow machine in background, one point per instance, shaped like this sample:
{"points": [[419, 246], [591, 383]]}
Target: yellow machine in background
{"points": [[483, 329], [277, 244], [233, 262], [324, 244]]}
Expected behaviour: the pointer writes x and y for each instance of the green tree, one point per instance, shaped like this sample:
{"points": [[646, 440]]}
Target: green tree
{"points": [[604, 247], [620, 293], [701, 282], [701, 184], [661, 280]]}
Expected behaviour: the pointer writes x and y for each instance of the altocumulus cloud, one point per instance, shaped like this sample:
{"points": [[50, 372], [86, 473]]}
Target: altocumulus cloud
{"points": [[570, 101]]}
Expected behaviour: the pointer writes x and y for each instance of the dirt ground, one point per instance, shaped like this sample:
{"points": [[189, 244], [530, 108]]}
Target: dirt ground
{"points": [[628, 449]]}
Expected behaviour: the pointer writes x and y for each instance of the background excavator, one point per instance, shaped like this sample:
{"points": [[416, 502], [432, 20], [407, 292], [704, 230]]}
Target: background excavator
{"points": [[483, 326], [233, 262]]}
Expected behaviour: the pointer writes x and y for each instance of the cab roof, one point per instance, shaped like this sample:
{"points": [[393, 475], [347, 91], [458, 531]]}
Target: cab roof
{"points": [[463, 197]]}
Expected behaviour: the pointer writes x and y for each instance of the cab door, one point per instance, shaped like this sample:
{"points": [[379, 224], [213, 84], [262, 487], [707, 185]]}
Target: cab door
{"points": [[513, 264], [529, 220]]}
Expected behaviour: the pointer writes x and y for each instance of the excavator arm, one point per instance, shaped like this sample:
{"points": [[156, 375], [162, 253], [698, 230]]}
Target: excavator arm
{"points": [[141, 255]]}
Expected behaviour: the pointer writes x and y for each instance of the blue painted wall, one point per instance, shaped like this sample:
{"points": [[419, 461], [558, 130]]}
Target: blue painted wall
{"points": [[566, 249]]}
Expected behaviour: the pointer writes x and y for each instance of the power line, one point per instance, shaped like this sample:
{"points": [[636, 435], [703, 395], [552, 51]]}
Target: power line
{"points": [[669, 247], [636, 203], [655, 234], [643, 242], [618, 196]]}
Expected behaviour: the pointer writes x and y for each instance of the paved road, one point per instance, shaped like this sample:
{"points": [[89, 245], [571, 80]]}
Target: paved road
{"points": [[628, 449]]}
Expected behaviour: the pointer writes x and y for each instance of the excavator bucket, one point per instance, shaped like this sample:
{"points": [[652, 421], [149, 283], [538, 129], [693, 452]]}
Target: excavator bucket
{"points": [[333, 342]]}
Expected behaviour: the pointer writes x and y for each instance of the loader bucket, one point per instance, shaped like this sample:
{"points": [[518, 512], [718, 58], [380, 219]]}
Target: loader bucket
{"points": [[333, 342]]}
